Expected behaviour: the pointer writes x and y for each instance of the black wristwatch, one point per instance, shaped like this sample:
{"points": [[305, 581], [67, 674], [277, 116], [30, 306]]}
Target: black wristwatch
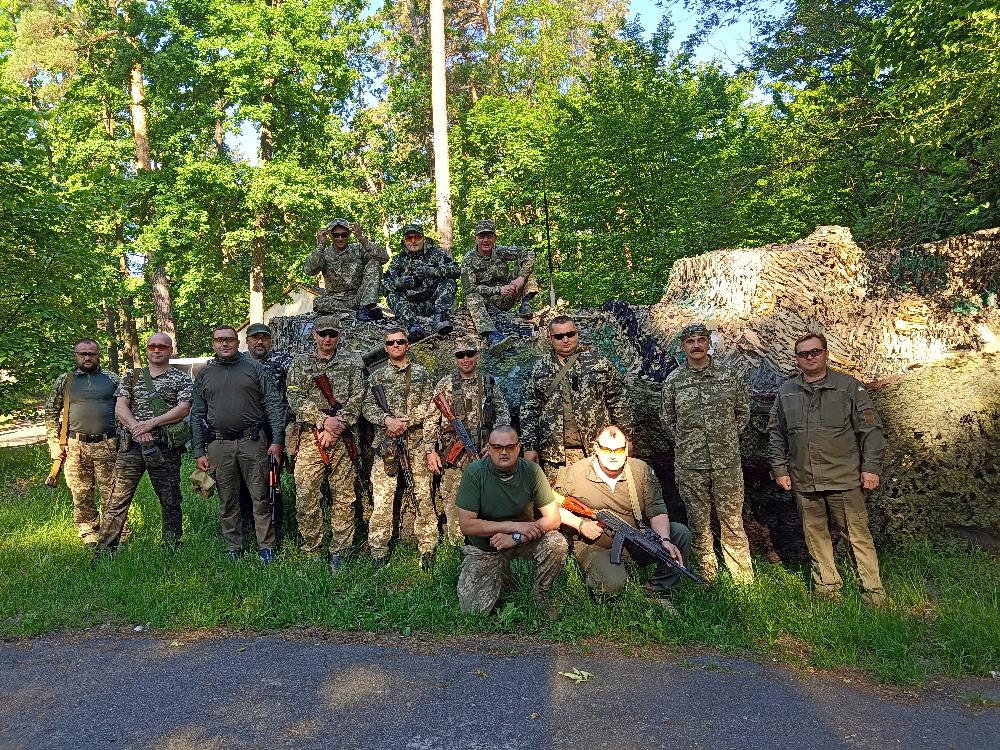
{"points": [[517, 537]]}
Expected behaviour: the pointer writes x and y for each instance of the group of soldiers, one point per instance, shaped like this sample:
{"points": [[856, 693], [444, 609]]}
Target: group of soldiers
{"points": [[500, 490]]}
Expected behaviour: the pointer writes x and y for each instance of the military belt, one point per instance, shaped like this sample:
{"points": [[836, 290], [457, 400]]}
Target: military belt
{"points": [[98, 438], [253, 433]]}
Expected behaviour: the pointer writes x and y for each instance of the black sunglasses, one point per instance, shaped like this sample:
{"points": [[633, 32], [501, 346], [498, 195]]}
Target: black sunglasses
{"points": [[567, 335], [339, 235], [809, 353], [467, 354], [328, 333], [396, 342]]}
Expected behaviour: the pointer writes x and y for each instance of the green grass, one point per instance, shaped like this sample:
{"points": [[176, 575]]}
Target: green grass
{"points": [[943, 618]]}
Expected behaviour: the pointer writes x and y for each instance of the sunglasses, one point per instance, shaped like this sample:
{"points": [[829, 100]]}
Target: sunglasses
{"points": [[339, 235], [88, 354], [328, 334], [157, 347], [467, 354], [224, 339], [500, 448], [809, 354], [567, 335], [396, 342], [611, 451]]}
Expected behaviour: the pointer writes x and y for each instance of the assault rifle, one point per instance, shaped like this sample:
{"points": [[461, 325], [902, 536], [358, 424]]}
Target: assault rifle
{"points": [[323, 383], [464, 442], [378, 393], [645, 539], [274, 486]]}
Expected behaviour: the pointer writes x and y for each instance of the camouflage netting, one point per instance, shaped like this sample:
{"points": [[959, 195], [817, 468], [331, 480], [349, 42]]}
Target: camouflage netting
{"points": [[901, 320]]}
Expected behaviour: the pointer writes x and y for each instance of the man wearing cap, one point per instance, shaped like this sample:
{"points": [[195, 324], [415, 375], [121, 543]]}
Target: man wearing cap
{"points": [[90, 438], [476, 399], [145, 448], [572, 394], [321, 456], [351, 271], [420, 281], [704, 408], [490, 284], [237, 421], [408, 388]]}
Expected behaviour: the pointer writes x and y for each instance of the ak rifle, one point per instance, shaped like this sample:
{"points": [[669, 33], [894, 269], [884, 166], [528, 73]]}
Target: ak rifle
{"points": [[378, 393], [323, 383], [465, 442]]}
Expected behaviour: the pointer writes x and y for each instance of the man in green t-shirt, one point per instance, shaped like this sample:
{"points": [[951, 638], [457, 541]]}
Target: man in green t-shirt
{"points": [[495, 502]]}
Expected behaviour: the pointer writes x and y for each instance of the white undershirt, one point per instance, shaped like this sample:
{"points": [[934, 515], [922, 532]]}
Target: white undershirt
{"points": [[610, 481]]}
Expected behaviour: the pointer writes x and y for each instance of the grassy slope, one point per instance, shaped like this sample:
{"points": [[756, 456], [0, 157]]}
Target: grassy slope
{"points": [[944, 618]]}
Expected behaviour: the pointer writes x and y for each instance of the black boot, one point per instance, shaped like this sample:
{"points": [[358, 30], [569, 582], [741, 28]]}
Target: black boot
{"points": [[416, 332], [441, 324]]}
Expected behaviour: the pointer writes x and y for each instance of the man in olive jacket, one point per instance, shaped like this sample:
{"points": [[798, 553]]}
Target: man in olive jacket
{"points": [[826, 445]]}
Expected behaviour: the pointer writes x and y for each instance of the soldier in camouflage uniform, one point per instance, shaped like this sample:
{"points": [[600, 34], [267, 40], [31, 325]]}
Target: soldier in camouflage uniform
{"points": [[476, 399], [573, 393], [420, 281], [143, 445], [351, 271], [489, 284], [321, 435], [90, 445], [408, 390], [237, 421], [704, 408], [495, 502]]}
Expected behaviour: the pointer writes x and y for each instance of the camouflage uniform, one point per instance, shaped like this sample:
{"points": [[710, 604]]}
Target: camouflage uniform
{"points": [[173, 386], [351, 278], [344, 371], [408, 392], [592, 394], [277, 363], [466, 398], [482, 278], [434, 292], [703, 412], [484, 575], [90, 458]]}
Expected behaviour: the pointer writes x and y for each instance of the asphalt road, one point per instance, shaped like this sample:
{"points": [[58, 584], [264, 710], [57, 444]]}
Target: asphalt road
{"points": [[111, 689]]}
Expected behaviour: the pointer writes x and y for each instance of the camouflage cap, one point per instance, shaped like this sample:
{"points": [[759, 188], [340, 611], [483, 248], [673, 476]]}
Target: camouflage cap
{"points": [[259, 328], [202, 483], [327, 322], [484, 226], [466, 344], [413, 229], [339, 223], [693, 329]]}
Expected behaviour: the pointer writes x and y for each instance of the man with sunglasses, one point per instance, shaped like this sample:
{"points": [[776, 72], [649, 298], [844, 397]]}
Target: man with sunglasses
{"points": [[89, 450], [613, 480], [408, 392], [826, 446], [475, 399], [704, 407], [490, 284], [321, 456], [144, 447], [421, 281], [572, 394], [495, 503], [352, 271], [236, 406]]}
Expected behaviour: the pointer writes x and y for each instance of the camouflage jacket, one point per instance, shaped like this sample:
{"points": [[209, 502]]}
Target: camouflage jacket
{"points": [[469, 408], [429, 268], [343, 271], [703, 413], [54, 404], [347, 381], [485, 276], [597, 395], [173, 386], [277, 363], [408, 390]]}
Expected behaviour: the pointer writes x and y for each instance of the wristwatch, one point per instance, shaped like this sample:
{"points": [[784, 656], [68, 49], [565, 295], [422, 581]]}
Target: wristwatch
{"points": [[517, 537]]}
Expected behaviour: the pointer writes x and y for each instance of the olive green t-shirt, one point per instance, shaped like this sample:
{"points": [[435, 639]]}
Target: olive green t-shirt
{"points": [[494, 497]]}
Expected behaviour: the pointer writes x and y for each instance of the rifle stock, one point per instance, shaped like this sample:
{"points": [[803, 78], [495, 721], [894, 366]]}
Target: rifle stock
{"points": [[53, 478]]}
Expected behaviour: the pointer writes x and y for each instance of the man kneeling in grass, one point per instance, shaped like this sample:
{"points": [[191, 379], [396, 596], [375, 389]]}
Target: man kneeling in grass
{"points": [[495, 502]]}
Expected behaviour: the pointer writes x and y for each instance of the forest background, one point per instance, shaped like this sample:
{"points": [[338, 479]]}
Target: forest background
{"points": [[129, 202]]}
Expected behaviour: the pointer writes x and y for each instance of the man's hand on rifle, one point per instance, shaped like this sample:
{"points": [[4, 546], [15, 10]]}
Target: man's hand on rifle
{"points": [[434, 462], [326, 438], [396, 426], [276, 450], [335, 426], [591, 529], [673, 551], [203, 463]]}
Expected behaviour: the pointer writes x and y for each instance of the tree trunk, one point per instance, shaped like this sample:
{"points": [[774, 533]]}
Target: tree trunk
{"points": [[140, 124], [161, 302], [110, 328], [439, 99], [258, 251]]}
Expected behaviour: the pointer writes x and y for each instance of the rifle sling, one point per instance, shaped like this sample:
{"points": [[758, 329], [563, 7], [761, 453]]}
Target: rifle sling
{"points": [[633, 495], [563, 372]]}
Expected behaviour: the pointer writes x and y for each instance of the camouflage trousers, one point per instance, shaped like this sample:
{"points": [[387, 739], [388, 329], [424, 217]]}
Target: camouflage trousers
{"points": [[552, 468], [479, 304], [604, 577], [484, 575], [451, 478], [310, 474], [352, 299], [407, 311], [166, 481], [700, 489], [88, 464], [233, 460], [850, 518], [384, 487]]}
